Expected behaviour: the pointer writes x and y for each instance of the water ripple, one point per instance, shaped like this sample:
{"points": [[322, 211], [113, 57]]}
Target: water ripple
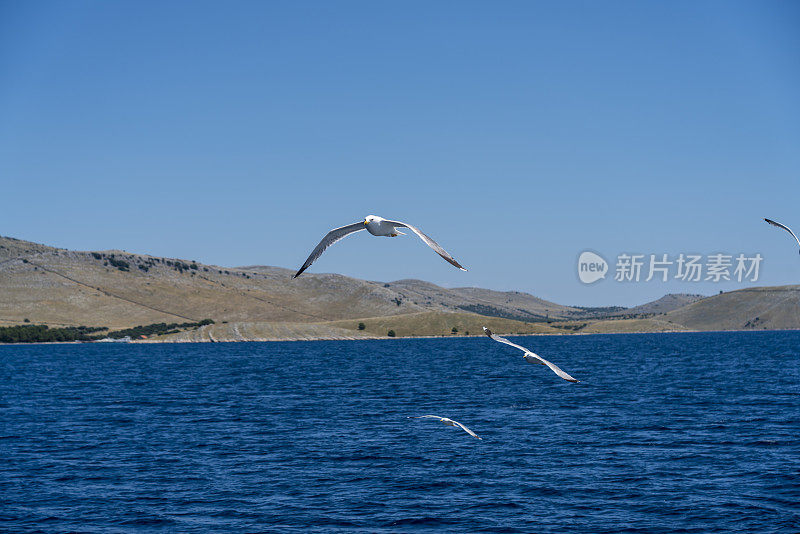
{"points": [[313, 436]]}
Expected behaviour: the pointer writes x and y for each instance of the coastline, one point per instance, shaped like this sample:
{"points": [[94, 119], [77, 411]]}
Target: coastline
{"points": [[387, 338]]}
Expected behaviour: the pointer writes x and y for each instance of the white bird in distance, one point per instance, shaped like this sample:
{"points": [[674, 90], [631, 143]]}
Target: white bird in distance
{"points": [[779, 225], [377, 226], [531, 357], [449, 422]]}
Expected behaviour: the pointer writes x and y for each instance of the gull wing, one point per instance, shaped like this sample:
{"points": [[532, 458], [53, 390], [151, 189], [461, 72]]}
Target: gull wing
{"points": [[430, 242], [779, 225], [503, 340], [332, 237], [467, 430], [447, 419], [553, 367]]}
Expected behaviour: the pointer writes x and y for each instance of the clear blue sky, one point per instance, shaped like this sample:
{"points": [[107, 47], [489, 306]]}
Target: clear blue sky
{"points": [[517, 134]]}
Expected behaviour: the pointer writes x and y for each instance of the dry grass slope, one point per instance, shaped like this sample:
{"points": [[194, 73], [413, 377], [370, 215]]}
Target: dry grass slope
{"points": [[441, 324], [665, 304], [116, 289], [632, 326], [246, 331], [759, 308]]}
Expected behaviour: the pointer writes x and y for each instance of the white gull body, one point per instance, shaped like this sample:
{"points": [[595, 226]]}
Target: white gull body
{"points": [[377, 226], [449, 422], [531, 357]]}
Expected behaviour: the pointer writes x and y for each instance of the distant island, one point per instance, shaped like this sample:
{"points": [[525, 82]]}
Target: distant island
{"points": [[52, 294]]}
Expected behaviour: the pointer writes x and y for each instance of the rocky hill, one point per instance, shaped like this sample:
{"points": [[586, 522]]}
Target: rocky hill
{"points": [[665, 304], [756, 308], [117, 289]]}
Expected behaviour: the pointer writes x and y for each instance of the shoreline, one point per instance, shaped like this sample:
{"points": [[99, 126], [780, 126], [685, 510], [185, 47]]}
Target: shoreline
{"points": [[365, 338]]}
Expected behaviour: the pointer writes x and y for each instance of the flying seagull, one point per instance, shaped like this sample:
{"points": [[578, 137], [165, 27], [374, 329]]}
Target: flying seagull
{"points": [[377, 226], [531, 357], [449, 422], [779, 225]]}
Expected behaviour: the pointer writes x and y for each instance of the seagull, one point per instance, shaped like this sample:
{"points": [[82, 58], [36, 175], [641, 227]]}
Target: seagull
{"points": [[779, 225], [530, 357], [377, 226], [449, 422]]}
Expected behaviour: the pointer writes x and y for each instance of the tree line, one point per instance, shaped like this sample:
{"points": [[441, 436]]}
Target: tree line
{"points": [[39, 333]]}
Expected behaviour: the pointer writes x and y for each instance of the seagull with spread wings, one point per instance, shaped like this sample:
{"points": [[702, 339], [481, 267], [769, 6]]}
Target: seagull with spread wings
{"points": [[779, 225], [449, 422], [377, 226], [530, 357]]}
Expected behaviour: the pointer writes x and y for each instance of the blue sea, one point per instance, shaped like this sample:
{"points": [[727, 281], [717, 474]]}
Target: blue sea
{"points": [[666, 432]]}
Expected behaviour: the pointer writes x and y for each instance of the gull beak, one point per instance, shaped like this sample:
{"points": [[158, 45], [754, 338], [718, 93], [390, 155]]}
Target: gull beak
{"points": [[365, 222]]}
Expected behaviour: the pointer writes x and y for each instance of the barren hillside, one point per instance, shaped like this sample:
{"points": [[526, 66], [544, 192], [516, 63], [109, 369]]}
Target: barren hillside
{"points": [[117, 289]]}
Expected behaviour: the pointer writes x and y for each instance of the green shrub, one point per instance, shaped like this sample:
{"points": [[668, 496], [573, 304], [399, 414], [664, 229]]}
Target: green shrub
{"points": [[390, 333], [122, 265], [157, 329], [361, 326], [39, 333]]}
